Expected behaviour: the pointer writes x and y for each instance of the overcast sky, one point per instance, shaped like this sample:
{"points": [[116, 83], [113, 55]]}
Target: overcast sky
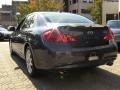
{"points": [[8, 2]]}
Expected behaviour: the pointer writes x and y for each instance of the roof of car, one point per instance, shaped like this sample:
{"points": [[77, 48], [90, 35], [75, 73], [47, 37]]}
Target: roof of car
{"points": [[52, 12], [113, 20]]}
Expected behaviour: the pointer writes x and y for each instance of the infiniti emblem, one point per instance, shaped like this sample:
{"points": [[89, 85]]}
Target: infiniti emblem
{"points": [[93, 54], [90, 32]]}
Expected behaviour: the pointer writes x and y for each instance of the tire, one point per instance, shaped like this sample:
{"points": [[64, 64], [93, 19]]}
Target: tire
{"points": [[31, 69]]}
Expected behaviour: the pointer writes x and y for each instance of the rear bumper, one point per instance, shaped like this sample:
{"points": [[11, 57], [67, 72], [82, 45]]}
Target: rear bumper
{"points": [[84, 64], [73, 58]]}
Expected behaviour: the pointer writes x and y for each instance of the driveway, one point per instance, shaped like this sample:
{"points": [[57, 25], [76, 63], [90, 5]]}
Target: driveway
{"points": [[13, 76]]}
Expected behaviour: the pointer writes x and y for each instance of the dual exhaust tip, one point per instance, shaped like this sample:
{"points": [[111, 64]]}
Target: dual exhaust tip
{"points": [[110, 63]]}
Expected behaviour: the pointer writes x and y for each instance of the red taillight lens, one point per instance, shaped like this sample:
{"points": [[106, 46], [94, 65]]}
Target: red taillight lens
{"points": [[109, 35], [68, 38], [56, 36]]}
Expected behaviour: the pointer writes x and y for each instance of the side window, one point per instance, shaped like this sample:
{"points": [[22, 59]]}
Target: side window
{"points": [[20, 24], [29, 22]]}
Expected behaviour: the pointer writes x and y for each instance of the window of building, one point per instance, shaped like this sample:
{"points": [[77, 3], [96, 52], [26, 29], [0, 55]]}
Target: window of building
{"points": [[5, 16], [74, 1], [70, 2], [85, 11], [87, 1], [75, 11], [90, 1]]}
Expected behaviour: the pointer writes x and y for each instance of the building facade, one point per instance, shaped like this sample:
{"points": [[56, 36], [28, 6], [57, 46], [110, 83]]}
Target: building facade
{"points": [[110, 10], [80, 7], [6, 16], [77, 7], [8, 13], [119, 10]]}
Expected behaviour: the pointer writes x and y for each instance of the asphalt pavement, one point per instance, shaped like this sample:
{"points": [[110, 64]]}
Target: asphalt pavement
{"points": [[13, 76]]}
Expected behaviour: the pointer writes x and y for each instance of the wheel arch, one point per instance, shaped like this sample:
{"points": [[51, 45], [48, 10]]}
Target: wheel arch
{"points": [[27, 44], [25, 48]]}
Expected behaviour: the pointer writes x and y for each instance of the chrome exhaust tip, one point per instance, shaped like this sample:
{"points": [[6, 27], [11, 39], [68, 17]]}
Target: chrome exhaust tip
{"points": [[110, 63]]}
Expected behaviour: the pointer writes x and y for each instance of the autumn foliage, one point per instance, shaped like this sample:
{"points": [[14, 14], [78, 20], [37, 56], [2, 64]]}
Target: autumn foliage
{"points": [[39, 5], [96, 11]]}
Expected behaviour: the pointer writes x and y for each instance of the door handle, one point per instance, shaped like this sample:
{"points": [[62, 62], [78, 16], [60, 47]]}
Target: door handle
{"points": [[28, 31]]}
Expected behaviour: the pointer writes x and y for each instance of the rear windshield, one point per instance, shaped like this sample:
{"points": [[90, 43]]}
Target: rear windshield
{"points": [[66, 18], [114, 24]]}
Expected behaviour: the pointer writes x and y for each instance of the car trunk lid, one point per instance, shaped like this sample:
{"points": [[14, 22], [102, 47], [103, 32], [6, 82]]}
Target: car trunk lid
{"points": [[85, 36]]}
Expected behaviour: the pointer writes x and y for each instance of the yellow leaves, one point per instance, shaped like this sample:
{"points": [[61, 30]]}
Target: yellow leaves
{"points": [[40, 5], [96, 11], [33, 5], [54, 5]]}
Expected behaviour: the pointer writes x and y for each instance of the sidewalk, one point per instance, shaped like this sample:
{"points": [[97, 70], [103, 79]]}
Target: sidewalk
{"points": [[11, 77]]}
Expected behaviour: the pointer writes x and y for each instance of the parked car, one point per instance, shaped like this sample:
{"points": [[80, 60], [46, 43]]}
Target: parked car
{"points": [[114, 25], [4, 33], [58, 40]]}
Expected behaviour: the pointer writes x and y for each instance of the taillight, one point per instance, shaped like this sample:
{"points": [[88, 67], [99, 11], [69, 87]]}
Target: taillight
{"points": [[109, 35], [55, 35]]}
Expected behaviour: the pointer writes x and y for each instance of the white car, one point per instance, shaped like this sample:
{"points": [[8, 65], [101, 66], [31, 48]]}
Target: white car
{"points": [[4, 33]]}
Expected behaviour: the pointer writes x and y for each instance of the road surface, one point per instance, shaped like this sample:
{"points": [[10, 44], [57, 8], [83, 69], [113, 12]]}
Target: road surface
{"points": [[13, 76]]}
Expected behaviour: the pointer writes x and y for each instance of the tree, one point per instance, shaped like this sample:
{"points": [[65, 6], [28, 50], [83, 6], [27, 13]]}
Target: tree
{"points": [[96, 11], [39, 5], [50, 5]]}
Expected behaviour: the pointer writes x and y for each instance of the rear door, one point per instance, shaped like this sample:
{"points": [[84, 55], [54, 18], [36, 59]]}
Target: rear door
{"points": [[15, 37], [23, 32]]}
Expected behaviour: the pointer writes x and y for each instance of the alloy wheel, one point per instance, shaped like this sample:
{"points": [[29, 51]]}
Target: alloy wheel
{"points": [[29, 61]]}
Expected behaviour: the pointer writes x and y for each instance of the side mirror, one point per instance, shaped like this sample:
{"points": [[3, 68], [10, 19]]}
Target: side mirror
{"points": [[11, 28]]}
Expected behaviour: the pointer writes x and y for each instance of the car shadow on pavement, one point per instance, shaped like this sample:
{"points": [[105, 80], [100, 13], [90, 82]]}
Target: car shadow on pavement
{"points": [[76, 79]]}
